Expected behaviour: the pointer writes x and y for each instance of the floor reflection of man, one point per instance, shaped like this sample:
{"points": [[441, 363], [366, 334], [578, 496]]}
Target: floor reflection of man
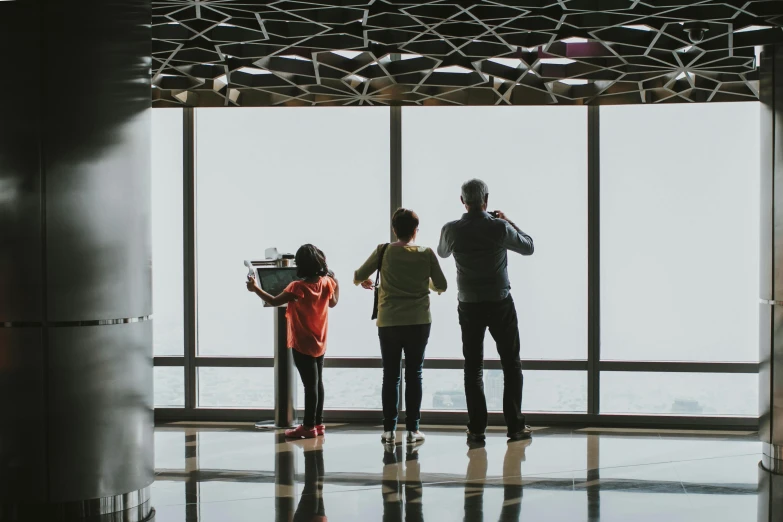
{"points": [[476, 477], [311, 502], [400, 484]]}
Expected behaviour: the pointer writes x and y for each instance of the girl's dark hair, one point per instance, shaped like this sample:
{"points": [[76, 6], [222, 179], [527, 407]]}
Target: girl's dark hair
{"points": [[310, 262], [405, 222]]}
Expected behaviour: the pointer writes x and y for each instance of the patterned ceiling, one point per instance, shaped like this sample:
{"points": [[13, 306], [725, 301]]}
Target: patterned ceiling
{"points": [[491, 52]]}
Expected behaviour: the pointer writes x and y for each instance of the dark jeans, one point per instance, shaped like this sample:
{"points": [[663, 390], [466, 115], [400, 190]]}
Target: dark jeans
{"points": [[501, 319], [311, 370], [412, 340]]}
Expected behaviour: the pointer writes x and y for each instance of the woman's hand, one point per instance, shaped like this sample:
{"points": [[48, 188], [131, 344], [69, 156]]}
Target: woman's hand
{"points": [[367, 285], [251, 284]]}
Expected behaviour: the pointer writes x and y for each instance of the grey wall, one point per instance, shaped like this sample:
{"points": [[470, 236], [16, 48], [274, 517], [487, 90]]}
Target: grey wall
{"points": [[76, 397]]}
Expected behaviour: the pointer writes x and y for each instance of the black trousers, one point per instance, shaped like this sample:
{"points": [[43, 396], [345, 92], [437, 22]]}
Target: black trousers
{"points": [[412, 340], [311, 370], [500, 318]]}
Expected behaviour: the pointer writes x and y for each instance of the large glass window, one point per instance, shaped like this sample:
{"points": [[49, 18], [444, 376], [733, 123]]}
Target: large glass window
{"points": [[680, 232], [167, 279], [544, 391], [169, 385], [347, 389], [236, 387], [689, 394], [534, 160], [277, 177]]}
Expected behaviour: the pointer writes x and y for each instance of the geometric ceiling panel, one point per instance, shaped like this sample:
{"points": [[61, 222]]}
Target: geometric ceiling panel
{"points": [[227, 53]]}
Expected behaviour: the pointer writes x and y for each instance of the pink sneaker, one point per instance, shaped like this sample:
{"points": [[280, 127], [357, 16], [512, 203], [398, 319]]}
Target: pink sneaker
{"points": [[300, 432], [320, 430]]}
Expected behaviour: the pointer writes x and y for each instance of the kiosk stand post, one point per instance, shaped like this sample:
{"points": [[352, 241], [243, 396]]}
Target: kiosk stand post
{"points": [[285, 380], [285, 392]]}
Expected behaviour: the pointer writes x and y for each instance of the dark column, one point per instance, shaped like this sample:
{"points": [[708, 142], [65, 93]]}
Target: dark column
{"points": [[76, 436], [771, 288]]}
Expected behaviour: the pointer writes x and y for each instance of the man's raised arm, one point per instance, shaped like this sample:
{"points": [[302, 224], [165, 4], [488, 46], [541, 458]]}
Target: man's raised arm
{"points": [[516, 240]]}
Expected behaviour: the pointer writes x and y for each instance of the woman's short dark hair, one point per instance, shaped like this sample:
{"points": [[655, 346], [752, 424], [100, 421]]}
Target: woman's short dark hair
{"points": [[405, 222], [310, 262]]}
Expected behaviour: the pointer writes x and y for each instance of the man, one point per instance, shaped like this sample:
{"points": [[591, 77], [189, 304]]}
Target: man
{"points": [[480, 242]]}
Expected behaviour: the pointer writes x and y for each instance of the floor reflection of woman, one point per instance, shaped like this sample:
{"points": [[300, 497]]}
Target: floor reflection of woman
{"points": [[311, 503], [396, 486]]}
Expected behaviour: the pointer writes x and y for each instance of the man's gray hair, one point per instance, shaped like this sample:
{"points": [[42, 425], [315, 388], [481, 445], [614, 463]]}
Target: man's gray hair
{"points": [[474, 192]]}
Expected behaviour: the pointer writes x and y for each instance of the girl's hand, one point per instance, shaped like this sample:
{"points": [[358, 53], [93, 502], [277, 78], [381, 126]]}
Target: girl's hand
{"points": [[367, 285], [251, 284]]}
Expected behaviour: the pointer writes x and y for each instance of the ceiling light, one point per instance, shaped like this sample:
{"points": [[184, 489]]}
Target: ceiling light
{"points": [[574, 81], [347, 54], [295, 57], [753, 28], [685, 49], [250, 70], [355, 78], [409, 56], [453, 69], [574, 39], [557, 61], [681, 76], [639, 27], [508, 62], [221, 81]]}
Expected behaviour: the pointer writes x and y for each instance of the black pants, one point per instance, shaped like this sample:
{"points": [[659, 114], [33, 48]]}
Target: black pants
{"points": [[501, 319], [311, 370], [412, 340]]}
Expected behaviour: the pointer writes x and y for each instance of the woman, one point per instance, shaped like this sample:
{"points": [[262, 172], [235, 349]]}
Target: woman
{"points": [[408, 272]]}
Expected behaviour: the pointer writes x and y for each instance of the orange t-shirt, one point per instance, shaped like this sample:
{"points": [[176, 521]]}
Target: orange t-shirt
{"points": [[308, 316]]}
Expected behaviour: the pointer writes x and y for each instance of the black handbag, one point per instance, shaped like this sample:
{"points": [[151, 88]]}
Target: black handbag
{"points": [[377, 281]]}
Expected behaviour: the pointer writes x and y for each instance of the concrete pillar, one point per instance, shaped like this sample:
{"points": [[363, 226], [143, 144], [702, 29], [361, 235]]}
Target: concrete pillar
{"points": [[76, 437]]}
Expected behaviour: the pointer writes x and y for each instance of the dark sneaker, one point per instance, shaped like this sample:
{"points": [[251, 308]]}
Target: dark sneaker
{"points": [[475, 437], [523, 434]]}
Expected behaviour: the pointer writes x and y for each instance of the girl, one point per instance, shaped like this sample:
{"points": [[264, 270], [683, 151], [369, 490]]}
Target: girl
{"points": [[307, 316]]}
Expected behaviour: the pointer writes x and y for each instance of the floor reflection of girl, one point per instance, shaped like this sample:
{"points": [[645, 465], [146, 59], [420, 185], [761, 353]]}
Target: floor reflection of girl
{"points": [[311, 502]]}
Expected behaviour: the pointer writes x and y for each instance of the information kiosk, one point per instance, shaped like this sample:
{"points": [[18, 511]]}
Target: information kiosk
{"points": [[273, 275]]}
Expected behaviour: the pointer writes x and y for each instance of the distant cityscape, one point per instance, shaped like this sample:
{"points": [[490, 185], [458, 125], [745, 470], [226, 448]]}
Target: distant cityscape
{"points": [[544, 391]]}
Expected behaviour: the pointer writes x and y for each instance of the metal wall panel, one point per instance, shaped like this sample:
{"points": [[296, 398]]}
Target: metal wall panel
{"points": [[22, 403], [770, 496], [765, 372], [767, 161], [97, 160], [777, 173], [101, 410], [20, 187]]}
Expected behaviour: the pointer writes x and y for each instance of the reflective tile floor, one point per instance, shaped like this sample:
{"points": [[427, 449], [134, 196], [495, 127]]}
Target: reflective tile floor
{"points": [[231, 473]]}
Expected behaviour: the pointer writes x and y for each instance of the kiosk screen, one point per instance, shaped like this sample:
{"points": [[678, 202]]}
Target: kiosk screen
{"points": [[274, 280]]}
